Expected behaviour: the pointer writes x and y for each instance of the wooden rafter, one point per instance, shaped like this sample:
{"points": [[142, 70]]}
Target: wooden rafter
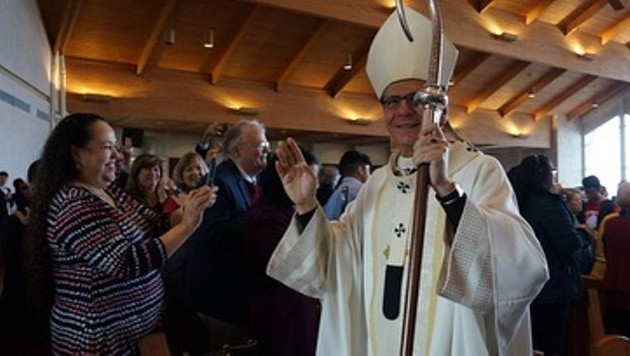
{"points": [[295, 62], [462, 71], [617, 4], [535, 13], [564, 95], [499, 81], [611, 32], [70, 15], [339, 81], [591, 10], [598, 99], [539, 85], [236, 41], [482, 5], [154, 37]]}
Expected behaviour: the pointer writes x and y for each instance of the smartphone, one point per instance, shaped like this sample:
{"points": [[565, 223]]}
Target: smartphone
{"points": [[212, 171], [208, 179]]}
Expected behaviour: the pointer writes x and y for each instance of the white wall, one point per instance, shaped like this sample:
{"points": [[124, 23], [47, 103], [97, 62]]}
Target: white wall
{"points": [[24, 85], [569, 146]]}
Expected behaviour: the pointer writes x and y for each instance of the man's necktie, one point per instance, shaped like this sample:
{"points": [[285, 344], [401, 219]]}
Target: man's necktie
{"points": [[254, 192]]}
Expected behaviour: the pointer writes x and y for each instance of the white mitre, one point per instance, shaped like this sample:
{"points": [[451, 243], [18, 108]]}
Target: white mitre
{"points": [[393, 58]]}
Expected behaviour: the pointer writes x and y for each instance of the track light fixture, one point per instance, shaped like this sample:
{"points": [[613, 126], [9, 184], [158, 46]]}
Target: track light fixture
{"points": [[169, 37], [505, 37], [209, 40], [348, 65], [531, 94], [586, 56]]}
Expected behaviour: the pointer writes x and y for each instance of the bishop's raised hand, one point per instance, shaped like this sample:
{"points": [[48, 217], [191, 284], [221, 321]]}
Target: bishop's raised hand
{"points": [[299, 179]]}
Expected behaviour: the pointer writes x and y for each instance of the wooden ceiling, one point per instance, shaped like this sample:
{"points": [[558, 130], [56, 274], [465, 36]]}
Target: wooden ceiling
{"points": [[305, 43]]}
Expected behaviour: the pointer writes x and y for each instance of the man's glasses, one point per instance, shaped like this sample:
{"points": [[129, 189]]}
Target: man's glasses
{"points": [[392, 102], [264, 145]]}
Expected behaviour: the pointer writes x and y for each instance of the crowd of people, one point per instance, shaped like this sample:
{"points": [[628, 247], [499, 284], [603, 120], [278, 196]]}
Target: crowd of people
{"points": [[240, 250]]}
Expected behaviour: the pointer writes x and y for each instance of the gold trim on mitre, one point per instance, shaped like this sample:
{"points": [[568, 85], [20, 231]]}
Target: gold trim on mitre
{"points": [[393, 58]]}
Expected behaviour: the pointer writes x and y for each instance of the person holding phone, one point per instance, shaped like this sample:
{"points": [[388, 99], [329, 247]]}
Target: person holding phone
{"points": [[93, 257], [183, 328], [216, 278]]}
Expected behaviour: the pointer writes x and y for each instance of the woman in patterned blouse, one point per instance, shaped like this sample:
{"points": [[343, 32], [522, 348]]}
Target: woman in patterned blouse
{"points": [[96, 241]]}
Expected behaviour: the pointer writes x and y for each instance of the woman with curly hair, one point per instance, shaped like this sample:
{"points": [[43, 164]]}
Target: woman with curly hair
{"points": [[93, 243]]}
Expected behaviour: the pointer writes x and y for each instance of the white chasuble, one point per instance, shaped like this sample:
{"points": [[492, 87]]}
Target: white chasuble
{"points": [[476, 285]]}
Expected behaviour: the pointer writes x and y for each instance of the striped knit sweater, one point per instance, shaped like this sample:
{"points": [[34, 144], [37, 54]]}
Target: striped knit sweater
{"points": [[108, 291]]}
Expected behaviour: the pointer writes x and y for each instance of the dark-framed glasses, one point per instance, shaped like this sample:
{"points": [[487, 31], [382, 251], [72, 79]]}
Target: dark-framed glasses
{"points": [[393, 101]]}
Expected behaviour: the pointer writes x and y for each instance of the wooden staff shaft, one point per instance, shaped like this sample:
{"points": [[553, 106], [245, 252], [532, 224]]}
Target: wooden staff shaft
{"points": [[432, 99], [415, 261]]}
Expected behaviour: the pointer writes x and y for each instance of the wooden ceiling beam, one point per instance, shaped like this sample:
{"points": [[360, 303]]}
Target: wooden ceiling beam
{"points": [[70, 15], [537, 86], [297, 59], [535, 12], [462, 71], [154, 36], [217, 71], [591, 10], [482, 5], [598, 99], [499, 81], [611, 32], [464, 28], [563, 96], [617, 4], [339, 81]]}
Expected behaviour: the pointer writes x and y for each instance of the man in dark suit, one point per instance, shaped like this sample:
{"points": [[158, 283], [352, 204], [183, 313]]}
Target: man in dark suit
{"points": [[216, 271]]}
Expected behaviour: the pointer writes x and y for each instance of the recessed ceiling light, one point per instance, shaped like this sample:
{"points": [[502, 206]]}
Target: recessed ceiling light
{"points": [[505, 36]]}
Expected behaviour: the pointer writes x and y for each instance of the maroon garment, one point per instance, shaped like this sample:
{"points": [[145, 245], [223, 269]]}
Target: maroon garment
{"points": [[284, 322], [617, 249], [254, 192]]}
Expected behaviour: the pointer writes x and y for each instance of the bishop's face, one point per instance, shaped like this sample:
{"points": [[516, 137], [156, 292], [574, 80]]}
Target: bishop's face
{"points": [[402, 120]]}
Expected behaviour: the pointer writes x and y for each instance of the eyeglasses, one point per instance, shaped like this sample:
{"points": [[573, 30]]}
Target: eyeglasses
{"points": [[264, 145], [392, 102]]}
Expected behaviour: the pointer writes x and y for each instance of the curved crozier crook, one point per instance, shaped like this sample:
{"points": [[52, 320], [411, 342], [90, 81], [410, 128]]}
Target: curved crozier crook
{"points": [[400, 10]]}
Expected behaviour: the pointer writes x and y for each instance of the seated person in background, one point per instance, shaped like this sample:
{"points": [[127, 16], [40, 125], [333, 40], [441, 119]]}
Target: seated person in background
{"points": [[606, 208], [354, 167], [590, 257], [617, 277], [94, 244], [554, 227], [482, 264], [594, 198], [282, 320], [328, 177]]}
